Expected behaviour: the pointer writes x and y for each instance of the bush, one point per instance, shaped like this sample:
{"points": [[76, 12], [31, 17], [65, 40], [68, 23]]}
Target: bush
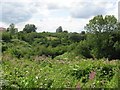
{"points": [[6, 36], [83, 50]]}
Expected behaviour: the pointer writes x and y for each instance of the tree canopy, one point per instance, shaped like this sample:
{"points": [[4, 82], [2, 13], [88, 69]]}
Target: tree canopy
{"points": [[12, 29], [102, 24], [30, 28]]}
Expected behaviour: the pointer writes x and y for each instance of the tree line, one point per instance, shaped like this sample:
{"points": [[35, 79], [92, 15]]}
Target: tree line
{"points": [[101, 40]]}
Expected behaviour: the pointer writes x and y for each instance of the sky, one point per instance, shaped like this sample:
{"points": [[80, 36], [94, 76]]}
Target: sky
{"points": [[48, 15]]}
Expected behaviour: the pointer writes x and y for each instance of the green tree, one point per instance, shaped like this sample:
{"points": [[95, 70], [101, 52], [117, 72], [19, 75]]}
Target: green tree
{"points": [[30, 28], [12, 29], [75, 38], [102, 24], [6, 36], [59, 29], [65, 31], [102, 37], [83, 32]]}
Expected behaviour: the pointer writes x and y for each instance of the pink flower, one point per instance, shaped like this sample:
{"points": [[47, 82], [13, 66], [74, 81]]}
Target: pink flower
{"points": [[91, 59], [50, 60], [21, 63], [78, 85], [43, 56], [61, 61], [92, 75], [107, 61], [73, 60], [77, 57], [103, 81], [36, 58]]}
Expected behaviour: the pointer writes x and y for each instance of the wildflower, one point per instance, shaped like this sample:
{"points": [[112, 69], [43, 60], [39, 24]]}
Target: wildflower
{"points": [[73, 60], [26, 71], [77, 57], [107, 61], [36, 58], [36, 77], [50, 58], [92, 75], [78, 85], [91, 59], [43, 56], [95, 59], [45, 60], [21, 63], [61, 61], [103, 81]]}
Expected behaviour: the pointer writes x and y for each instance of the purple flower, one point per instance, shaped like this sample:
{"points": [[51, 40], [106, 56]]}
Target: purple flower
{"points": [[92, 75], [103, 81]]}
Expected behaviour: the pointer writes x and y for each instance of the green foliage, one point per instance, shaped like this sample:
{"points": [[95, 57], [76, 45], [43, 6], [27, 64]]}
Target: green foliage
{"points": [[101, 24], [17, 49], [82, 32], [83, 50], [12, 29], [65, 31], [49, 51], [6, 36], [76, 37], [102, 36], [29, 28], [44, 72], [60, 60]]}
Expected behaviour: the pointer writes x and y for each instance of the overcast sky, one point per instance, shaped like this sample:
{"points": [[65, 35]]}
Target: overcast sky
{"points": [[47, 15]]}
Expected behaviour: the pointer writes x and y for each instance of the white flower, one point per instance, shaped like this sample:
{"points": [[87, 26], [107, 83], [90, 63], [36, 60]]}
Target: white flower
{"points": [[36, 77]]}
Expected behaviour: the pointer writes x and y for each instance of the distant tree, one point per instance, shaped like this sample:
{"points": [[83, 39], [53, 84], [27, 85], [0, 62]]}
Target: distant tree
{"points": [[30, 28], [65, 31], [82, 32], [43, 32], [59, 29], [12, 29], [101, 24]]}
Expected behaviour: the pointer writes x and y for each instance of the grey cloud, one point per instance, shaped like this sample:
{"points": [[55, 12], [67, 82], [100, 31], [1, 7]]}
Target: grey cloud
{"points": [[52, 6], [15, 12], [86, 10]]}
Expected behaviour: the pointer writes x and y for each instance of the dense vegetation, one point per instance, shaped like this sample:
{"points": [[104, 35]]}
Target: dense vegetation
{"points": [[62, 59]]}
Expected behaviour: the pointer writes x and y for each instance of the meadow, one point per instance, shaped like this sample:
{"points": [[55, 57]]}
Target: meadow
{"points": [[44, 72], [63, 59]]}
